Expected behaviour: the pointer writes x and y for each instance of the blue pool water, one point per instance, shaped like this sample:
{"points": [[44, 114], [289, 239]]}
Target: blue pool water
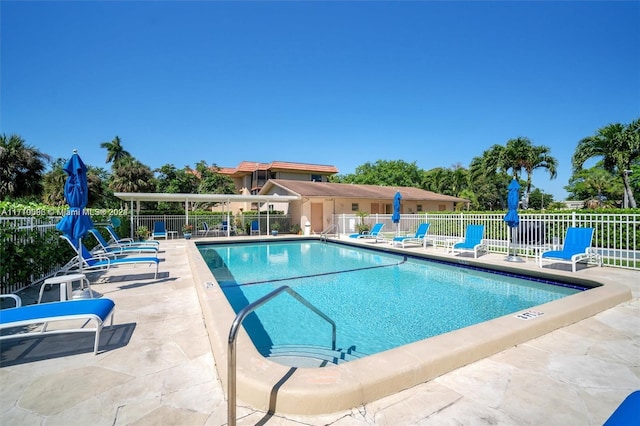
{"points": [[379, 300]]}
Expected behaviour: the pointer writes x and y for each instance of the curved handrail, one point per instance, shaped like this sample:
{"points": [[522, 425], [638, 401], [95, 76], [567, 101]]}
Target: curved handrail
{"points": [[233, 334]]}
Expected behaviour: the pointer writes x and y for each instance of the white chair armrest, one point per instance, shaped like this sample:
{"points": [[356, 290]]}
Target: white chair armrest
{"points": [[15, 298]]}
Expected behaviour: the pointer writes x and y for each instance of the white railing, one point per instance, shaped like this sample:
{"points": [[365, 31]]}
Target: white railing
{"points": [[616, 236]]}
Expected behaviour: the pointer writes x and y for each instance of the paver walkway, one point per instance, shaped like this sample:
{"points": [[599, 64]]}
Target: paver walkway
{"points": [[156, 367]]}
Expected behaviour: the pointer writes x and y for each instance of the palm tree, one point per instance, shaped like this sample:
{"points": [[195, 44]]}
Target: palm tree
{"points": [[21, 168], [619, 147], [599, 183], [130, 175], [488, 179], [53, 183], [520, 155], [115, 150]]}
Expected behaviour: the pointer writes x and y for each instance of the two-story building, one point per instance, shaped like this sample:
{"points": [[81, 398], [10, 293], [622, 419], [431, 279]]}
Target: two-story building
{"points": [[250, 177]]}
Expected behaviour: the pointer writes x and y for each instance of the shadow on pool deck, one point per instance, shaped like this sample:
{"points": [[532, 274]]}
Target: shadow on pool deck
{"points": [[156, 366]]}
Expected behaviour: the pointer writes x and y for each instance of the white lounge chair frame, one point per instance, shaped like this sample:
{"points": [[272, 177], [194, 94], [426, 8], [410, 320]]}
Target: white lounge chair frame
{"points": [[125, 242], [117, 250]]}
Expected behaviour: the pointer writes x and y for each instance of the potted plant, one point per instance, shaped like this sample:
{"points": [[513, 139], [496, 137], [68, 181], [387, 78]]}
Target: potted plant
{"points": [[142, 232], [362, 227], [187, 230], [275, 226]]}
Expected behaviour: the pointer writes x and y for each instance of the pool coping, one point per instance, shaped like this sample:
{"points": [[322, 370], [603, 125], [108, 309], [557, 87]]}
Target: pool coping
{"points": [[270, 386]]}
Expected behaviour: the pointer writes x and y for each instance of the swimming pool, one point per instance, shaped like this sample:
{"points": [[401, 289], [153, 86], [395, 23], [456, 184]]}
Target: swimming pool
{"points": [[378, 300], [270, 386]]}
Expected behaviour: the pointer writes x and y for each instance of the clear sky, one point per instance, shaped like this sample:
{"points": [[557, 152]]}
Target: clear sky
{"points": [[339, 83]]}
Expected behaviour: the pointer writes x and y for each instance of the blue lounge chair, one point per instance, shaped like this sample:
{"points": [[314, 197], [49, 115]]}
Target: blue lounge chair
{"points": [[472, 242], [576, 248], [374, 233], [226, 229], [121, 250], [101, 262], [97, 310], [417, 238], [115, 239], [159, 230], [205, 229], [255, 227]]}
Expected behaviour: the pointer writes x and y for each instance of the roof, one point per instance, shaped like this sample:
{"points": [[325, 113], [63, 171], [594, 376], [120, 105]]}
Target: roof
{"points": [[347, 190], [248, 167]]}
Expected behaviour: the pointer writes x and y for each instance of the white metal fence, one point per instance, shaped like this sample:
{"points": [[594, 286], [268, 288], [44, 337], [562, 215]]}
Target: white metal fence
{"points": [[616, 236]]}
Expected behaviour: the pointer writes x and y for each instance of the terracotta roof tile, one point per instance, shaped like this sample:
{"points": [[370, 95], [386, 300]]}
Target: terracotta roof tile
{"points": [[247, 167]]}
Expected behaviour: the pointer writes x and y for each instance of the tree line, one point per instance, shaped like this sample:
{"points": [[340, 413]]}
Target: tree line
{"points": [[25, 175]]}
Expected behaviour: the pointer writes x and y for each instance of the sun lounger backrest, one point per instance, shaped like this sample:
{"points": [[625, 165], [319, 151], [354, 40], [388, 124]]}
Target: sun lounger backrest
{"points": [[86, 255], [98, 236], [577, 240], [474, 234], [422, 230]]}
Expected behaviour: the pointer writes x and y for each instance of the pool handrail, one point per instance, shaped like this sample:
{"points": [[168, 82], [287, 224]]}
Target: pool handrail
{"points": [[233, 334]]}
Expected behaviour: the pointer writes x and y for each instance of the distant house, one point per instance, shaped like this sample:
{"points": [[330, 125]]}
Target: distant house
{"points": [[320, 200], [573, 204]]}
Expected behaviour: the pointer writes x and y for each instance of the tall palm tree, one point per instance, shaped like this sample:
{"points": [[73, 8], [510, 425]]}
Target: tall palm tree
{"points": [[21, 168], [115, 150], [521, 155], [489, 179], [618, 146]]}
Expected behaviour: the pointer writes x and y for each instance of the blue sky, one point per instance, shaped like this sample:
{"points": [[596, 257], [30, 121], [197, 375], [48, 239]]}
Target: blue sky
{"points": [[340, 83]]}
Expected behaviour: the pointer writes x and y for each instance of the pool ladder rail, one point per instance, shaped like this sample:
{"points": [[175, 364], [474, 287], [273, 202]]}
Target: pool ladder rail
{"points": [[233, 334], [324, 235]]}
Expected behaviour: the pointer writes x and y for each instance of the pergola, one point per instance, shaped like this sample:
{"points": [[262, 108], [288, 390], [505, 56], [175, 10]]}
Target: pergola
{"points": [[225, 199]]}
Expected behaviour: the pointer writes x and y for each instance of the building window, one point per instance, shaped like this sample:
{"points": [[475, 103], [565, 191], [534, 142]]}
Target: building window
{"points": [[316, 178], [355, 207], [419, 207], [271, 207], [442, 207]]}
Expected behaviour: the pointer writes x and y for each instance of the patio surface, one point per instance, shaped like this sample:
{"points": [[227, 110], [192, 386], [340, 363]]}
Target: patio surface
{"points": [[155, 366]]}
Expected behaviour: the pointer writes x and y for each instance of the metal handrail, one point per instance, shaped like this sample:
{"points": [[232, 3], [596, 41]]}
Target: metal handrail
{"points": [[233, 334], [325, 232]]}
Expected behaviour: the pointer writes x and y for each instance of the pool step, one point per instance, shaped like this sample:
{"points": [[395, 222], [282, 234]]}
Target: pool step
{"points": [[310, 356]]}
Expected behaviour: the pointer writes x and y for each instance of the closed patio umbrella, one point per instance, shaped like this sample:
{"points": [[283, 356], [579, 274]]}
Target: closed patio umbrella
{"points": [[395, 217], [75, 224], [511, 218]]}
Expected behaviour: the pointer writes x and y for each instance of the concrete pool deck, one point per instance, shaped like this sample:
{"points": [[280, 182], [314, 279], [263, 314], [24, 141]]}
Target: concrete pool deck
{"points": [[157, 366]]}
